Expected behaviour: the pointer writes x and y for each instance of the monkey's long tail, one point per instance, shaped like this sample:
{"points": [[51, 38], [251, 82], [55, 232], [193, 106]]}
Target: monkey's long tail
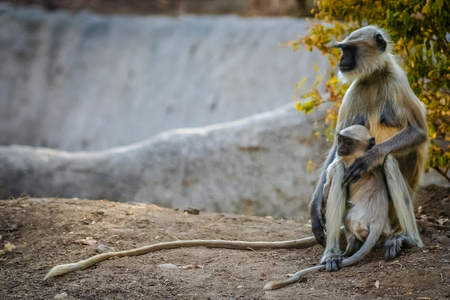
{"points": [[370, 242], [279, 283], [242, 245]]}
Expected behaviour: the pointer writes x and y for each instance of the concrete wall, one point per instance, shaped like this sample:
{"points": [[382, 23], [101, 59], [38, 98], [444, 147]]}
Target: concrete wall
{"points": [[87, 82]]}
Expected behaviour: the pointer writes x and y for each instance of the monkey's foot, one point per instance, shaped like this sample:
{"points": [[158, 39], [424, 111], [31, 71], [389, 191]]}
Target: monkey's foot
{"points": [[332, 261], [394, 244]]}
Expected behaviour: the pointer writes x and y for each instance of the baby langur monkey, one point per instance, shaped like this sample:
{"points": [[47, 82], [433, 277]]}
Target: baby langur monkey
{"points": [[367, 219]]}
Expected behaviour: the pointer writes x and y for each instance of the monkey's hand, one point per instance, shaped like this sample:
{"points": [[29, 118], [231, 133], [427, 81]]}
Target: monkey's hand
{"points": [[317, 226], [363, 164], [332, 260]]}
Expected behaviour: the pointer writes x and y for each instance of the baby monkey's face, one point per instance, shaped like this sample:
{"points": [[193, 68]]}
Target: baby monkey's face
{"points": [[353, 141], [350, 146], [346, 145]]}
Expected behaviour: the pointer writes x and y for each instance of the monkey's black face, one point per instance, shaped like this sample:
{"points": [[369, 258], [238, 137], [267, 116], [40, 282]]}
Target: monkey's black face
{"points": [[345, 145], [348, 58]]}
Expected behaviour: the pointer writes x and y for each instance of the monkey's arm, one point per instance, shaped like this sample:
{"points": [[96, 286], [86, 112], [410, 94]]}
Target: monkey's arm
{"points": [[401, 198], [335, 209], [406, 140], [317, 220]]}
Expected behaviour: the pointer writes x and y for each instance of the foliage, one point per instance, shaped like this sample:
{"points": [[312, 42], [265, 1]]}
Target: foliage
{"points": [[419, 32]]}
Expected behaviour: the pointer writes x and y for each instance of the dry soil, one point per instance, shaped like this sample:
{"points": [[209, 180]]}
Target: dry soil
{"points": [[48, 231]]}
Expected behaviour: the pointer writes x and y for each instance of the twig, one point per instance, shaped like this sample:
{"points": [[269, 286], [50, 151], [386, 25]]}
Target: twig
{"points": [[168, 232], [444, 174]]}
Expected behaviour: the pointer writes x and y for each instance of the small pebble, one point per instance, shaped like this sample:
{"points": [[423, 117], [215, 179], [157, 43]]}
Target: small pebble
{"points": [[105, 249], [61, 296], [192, 211], [168, 266]]}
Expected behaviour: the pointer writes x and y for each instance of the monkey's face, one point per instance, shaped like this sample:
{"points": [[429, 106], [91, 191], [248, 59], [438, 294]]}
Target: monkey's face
{"points": [[362, 51], [348, 58], [354, 140], [345, 145]]}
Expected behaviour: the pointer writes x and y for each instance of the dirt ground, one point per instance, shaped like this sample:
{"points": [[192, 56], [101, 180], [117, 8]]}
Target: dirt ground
{"points": [[47, 232]]}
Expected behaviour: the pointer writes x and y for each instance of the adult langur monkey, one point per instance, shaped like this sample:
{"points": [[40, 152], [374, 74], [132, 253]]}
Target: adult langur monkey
{"points": [[380, 99]]}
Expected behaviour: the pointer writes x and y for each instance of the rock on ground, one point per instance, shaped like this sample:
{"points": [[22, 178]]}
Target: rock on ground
{"points": [[256, 166]]}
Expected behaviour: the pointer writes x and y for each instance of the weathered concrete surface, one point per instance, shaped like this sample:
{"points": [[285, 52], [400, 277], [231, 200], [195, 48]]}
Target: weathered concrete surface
{"points": [[87, 82], [257, 165]]}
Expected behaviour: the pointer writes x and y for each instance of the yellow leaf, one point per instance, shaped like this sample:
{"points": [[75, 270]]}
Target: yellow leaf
{"points": [[316, 68], [9, 247], [316, 135], [332, 63], [298, 85], [308, 167]]}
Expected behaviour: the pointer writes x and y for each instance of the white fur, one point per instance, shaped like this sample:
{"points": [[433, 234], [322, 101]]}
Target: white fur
{"points": [[399, 192], [335, 207]]}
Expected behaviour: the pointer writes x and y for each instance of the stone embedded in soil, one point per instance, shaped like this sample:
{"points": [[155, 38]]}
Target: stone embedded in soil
{"points": [[105, 249], [168, 266]]}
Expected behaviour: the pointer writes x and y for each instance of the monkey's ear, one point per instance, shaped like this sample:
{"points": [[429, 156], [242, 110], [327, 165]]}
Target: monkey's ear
{"points": [[371, 143], [381, 43]]}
